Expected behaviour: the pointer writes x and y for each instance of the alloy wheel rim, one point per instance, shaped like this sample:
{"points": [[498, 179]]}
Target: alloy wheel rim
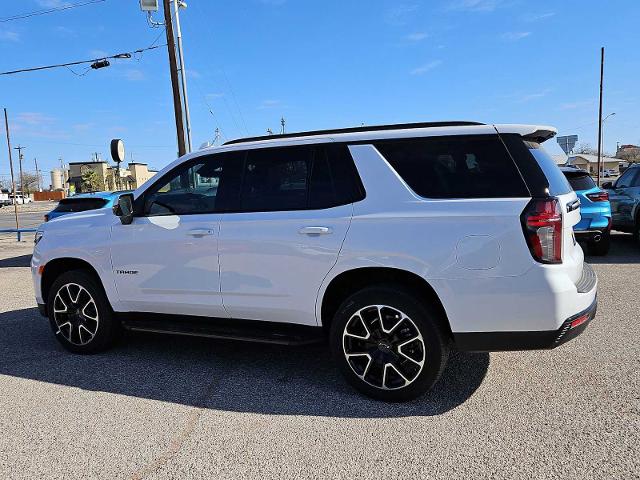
{"points": [[383, 347], [75, 314]]}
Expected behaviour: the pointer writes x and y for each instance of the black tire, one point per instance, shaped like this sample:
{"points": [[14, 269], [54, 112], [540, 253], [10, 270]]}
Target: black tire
{"points": [[600, 248], [636, 229], [81, 328], [432, 348]]}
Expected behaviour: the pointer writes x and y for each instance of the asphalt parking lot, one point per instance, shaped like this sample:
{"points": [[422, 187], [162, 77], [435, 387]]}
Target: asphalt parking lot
{"points": [[162, 407]]}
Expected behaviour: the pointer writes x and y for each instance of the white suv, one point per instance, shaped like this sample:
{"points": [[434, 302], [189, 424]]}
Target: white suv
{"points": [[395, 242]]}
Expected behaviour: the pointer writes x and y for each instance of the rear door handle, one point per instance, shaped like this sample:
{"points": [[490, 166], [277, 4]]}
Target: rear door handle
{"points": [[315, 231], [200, 232]]}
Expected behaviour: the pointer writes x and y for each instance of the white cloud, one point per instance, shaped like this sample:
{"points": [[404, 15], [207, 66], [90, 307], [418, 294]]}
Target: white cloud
{"points": [[417, 36], [425, 68], [514, 36], [475, 5], [400, 14], [53, 3], [527, 97], [534, 17], [134, 75], [270, 104], [578, 105], [9, 36], [34, 118], [193, 74]]}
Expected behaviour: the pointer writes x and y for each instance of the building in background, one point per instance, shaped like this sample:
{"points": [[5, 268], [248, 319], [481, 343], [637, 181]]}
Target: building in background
{"points": [[590, 162], [100, 176]]}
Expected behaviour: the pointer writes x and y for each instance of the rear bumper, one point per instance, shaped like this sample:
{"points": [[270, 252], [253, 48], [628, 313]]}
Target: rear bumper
{"points": [[590, 235], [535, 340]]}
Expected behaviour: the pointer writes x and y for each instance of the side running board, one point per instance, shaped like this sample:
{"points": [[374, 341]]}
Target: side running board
{"points": [[223, 328]]}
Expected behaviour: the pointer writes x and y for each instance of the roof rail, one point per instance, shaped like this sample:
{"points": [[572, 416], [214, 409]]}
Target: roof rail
{"points": [[371, 128]]}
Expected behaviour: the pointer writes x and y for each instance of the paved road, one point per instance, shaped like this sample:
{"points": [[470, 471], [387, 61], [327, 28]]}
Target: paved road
{"points": [[159, 407], [29, 216]]}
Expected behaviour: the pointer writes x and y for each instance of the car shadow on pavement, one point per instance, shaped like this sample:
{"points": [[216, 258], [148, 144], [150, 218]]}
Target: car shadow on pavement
{"points": [[19, 261], [220, 375], [624, 250]]}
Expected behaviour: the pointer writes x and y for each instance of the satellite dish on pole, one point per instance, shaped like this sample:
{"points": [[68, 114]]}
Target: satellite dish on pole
{"points": [[567, 143]]}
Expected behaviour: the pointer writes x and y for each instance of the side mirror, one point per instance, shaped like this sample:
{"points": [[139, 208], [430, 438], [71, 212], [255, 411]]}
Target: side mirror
{"points": [[607, 185], [124, 208]]}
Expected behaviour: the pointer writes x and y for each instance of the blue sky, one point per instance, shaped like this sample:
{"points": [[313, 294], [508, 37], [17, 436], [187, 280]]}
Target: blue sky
{"points": [[320, 65]]}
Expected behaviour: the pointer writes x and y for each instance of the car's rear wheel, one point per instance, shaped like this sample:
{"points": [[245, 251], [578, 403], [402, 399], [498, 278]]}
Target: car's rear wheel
{"points": [[80, 314], [600, 248], [388, 345]]}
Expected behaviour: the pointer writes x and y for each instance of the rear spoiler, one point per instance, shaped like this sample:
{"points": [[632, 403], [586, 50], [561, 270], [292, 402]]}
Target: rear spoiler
{"points": [[541, 135], [531, 133]]}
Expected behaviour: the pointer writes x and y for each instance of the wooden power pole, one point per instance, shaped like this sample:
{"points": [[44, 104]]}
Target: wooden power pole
{"points": [[13, 182], [175, 86], [600, 115]]}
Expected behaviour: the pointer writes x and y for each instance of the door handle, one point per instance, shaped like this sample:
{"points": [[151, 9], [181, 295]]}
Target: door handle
{"points": [[200, 232], [315, 230]]}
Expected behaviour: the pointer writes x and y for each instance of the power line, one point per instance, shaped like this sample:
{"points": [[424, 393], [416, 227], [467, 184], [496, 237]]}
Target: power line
{"points": [[125, 55], [48, 10]]}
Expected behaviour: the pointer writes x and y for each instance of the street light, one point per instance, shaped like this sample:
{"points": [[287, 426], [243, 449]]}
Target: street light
{"points": [[604, 120]]}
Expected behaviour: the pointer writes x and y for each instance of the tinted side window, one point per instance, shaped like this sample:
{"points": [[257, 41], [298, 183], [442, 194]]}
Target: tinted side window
{"points": [[345, 176], [276, 179], [455, 167], [558, 184], [627, 178], [190, 189]]}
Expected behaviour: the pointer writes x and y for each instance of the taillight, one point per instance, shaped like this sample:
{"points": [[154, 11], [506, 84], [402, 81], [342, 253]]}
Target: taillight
{"points": [[542, 225], [598, 196]]}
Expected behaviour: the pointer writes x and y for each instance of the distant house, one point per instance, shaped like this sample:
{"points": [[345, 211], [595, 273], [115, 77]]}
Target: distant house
{"points": [[590, 162]]}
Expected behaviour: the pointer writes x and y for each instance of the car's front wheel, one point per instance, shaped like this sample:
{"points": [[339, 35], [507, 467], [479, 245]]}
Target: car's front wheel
{"points": [[388, 344], [80, 314]]}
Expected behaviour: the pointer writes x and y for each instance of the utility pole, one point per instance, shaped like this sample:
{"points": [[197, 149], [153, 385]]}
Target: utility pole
{"points": [[183, 72], [35, 160], [283, 123], [13, 182], [20, 157], [173, 68], [600, 115]]}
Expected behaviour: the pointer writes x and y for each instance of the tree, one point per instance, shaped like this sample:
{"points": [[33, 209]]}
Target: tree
{"points": [[31, 182], [631, 155], [587, 149], [91, 181]]}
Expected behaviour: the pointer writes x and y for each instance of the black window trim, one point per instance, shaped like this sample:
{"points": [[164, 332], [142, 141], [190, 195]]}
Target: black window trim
{"points": [[140, 201]]}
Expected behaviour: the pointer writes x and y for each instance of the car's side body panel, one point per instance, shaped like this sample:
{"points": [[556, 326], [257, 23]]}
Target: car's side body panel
{"points": [[480, 267]]}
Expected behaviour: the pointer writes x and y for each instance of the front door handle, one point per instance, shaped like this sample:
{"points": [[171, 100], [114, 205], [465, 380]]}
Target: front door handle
{"points": [[200, 232], [315, 230]]}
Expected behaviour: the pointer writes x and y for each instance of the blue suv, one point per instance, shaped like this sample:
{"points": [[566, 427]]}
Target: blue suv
{"points": [[624, 194], [83, 202], [595, 223]]}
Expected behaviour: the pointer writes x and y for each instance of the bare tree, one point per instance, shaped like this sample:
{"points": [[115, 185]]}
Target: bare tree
{"points": [[632, 155], [31, 182]]}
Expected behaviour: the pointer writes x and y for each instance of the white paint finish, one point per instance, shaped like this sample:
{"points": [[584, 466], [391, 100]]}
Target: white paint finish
{"points": [[177, 268], [277, 265], [478, 252], [271, 271]]}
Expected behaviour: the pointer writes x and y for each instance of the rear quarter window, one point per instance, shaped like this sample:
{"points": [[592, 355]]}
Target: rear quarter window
{"points": [[455, 167], [558, 183]]}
